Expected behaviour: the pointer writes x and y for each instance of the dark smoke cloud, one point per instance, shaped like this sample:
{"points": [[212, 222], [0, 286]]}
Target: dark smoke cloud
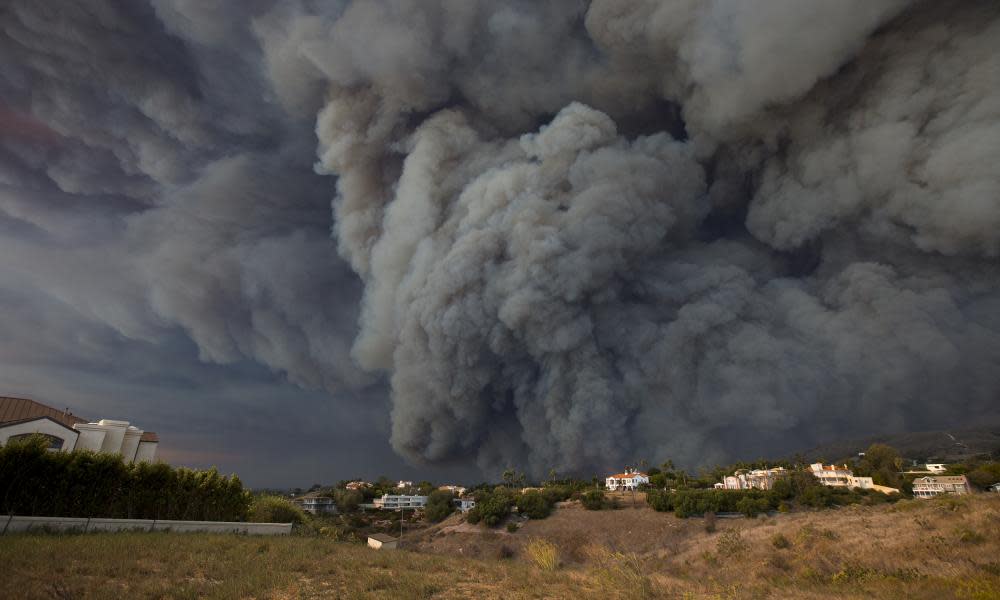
{"points": [[570, 233]]}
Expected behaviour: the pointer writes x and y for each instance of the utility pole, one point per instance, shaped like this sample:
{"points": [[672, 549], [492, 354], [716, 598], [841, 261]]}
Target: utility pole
{"points": [[402, 515]]}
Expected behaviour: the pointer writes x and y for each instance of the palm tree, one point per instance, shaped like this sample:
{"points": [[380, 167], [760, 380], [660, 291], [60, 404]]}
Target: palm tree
{"points": [[508, 477]]}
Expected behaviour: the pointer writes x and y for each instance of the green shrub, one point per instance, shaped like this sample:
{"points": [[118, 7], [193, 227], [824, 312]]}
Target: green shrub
{"points": [[594, 500], [491, 507], [534, 505], [511, 527], [275, 509], [348, 500], [36, 482], [439, 506]]}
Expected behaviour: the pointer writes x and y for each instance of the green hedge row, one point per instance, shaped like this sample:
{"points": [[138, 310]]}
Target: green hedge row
{"points": [[37, 482]]}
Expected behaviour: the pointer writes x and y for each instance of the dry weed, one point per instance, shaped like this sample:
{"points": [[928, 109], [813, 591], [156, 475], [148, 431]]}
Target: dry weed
{"points": [[543, 553]]}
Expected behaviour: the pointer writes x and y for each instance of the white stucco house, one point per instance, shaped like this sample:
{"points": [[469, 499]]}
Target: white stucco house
{"points": [[842, 476], [759, 479], [395, 502], [65, 432], [629, 480]]}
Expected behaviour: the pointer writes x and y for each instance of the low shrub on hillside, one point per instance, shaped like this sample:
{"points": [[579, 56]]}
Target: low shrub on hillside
{"points": [[731, 543], [534, 505], [594, 500], [275, 509]]}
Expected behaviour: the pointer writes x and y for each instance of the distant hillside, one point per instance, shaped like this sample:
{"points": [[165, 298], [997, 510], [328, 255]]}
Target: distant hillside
{"points": [[945, 445]]}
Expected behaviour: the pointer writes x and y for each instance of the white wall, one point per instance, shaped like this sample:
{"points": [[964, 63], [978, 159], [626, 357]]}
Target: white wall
{"points": [[17, 524], [44, 426], [146, 452], [91, 436]]}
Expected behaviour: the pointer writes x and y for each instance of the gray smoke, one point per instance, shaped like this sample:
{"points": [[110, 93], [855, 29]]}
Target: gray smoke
{"points": [[580, 232]]}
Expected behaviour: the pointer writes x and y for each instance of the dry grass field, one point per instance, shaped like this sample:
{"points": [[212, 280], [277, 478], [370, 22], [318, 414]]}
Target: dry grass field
{"points": [[946, 548]]}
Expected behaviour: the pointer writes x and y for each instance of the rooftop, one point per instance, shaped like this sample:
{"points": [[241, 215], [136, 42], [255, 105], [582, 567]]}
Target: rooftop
{"points": [[24, 409]]}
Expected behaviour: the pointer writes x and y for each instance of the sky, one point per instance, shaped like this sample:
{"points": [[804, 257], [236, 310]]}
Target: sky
{"points": [[310, 240]]}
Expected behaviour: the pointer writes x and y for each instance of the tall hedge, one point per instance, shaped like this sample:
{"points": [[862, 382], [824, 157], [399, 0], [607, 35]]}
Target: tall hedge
{"points": [[37, 482]]}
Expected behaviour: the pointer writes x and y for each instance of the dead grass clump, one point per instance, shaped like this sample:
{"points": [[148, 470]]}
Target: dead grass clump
{"points": [[543, 554], [575, 545], [968, 536], [777, 561], [620, 574], [709, 522], [505, 552], [731, 544], [780, 542], [852, 573], [809, 533]]}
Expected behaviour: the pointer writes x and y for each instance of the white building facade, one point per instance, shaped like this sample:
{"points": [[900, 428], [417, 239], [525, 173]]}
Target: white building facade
{"points": [[316, 505], [757, 479], [629, 480], [396, 502]]}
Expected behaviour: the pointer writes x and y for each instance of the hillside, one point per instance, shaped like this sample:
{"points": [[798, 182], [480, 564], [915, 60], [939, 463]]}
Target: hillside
{"points": [[942, 446], [944, 548]]}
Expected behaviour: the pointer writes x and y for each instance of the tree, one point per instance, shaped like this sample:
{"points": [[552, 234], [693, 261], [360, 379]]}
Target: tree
{"points": [[508, 477], [882, 463], [348, 500], [439, 505]]}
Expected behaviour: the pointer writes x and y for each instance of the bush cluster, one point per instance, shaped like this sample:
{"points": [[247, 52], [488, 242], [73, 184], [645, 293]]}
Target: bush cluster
{"points": [[439, 505], [37, 482], [275, 509], [492, 507], [597, 500]]}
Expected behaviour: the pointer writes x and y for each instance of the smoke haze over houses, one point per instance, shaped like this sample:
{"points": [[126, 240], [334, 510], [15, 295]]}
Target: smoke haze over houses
{"points": [[567, 234]]}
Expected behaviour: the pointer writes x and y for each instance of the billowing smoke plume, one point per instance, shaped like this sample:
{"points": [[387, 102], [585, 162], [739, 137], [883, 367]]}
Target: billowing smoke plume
{"points": [[586, 232]]}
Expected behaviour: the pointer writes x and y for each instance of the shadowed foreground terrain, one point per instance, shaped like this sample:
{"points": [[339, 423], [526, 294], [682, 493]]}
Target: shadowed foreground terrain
{"points": [[945, 548]]}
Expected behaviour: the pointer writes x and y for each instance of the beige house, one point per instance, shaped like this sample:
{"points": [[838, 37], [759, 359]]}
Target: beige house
{"points": [[841, 476], [381, 540], [938, 485]]}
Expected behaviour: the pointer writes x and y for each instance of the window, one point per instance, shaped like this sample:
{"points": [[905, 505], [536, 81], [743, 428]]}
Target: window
{"points": [[55, 443]]}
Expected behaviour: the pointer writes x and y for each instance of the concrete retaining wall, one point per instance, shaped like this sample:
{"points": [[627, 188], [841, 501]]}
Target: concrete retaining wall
{"points": [[19, 524]]}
